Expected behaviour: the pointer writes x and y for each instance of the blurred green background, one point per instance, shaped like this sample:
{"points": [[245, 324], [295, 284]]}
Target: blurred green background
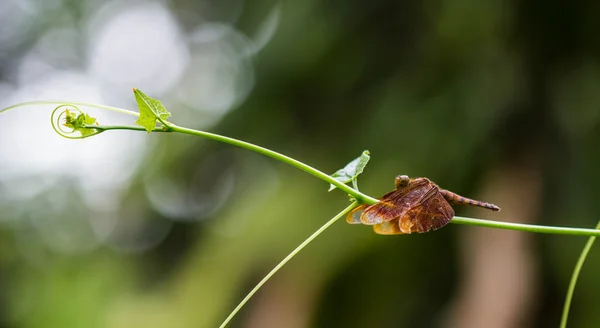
{"points": [[494, 100]]}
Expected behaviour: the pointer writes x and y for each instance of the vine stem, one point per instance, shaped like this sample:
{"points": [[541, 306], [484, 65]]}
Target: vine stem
{"points": [[574, 277], [285, 260], [526, 227], [123, 127], [362, 198], [76, 103], [359, 196]]}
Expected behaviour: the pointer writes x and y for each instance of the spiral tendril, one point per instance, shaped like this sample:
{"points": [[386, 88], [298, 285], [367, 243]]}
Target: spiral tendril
{"points": [[75, 122]]}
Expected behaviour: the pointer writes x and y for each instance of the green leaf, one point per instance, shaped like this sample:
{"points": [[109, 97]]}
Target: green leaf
{"points": [[150, 110], [80, 122], [87, 120], [351, 171]]}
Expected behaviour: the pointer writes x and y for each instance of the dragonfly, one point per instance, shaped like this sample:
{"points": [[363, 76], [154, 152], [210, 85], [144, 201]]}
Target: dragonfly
{"points": [[417, 205]]}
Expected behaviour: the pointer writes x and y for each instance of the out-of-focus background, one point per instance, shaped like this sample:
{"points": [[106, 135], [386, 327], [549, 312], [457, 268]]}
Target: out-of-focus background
{"points": [[495, 100]]}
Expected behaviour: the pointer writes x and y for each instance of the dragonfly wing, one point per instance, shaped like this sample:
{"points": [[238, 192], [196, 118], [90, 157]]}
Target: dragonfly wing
{"points": [[392, 205], [354, 216], [387, 228], [432, 213], [379, 213]]}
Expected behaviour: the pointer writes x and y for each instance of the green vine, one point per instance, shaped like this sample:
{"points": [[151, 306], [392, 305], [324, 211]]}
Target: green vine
{"points": [[153, 117], [574, 277], [286, 259]]}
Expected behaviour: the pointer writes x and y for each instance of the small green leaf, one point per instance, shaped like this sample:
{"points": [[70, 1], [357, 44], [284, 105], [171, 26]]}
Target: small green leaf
{"points": [[351, 170], [80, 122], [150, 110], [87, 120]]}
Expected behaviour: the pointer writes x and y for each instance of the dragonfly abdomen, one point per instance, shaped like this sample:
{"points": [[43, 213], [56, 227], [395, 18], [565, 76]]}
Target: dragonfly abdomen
{"points": [[460, 200]]}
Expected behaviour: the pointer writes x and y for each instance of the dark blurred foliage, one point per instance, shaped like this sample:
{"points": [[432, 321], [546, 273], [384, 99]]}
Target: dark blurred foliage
{"points": [[491, 99]]}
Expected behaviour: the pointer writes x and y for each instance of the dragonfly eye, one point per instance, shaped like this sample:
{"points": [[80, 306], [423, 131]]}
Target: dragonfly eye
{"points": [[402, 181]]}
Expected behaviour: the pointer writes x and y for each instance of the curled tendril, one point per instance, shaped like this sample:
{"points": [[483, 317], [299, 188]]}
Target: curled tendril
{"points": [[76, 121]]}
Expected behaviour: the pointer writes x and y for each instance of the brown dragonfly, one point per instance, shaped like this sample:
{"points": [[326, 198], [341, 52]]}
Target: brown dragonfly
{"points": [[417, 205]]}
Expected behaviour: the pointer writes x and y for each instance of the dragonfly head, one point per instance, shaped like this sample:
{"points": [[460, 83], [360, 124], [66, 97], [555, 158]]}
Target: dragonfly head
{"points": [[402, 181]]}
